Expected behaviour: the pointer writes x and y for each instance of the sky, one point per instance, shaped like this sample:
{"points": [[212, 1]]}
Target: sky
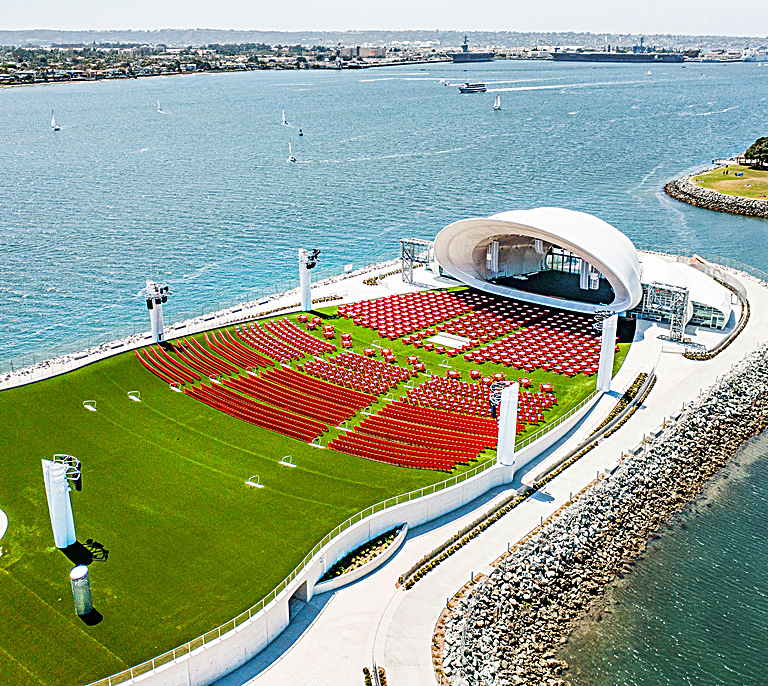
{"points": [[744, 17]]}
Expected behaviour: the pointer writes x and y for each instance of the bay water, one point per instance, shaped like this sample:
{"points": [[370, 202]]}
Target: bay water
{"points": [[201, 196]]}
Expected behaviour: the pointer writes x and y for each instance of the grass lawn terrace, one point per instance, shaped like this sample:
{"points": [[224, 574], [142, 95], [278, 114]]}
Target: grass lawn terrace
{"points": [[189, 544], [754, 183]]}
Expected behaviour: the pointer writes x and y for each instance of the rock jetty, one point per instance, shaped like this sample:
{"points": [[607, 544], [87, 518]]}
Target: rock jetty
{"points": [[509, 629], [685, 190]]}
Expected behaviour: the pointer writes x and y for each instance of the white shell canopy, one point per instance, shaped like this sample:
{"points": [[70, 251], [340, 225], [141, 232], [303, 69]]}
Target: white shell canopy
{"points": [[460, 249]]}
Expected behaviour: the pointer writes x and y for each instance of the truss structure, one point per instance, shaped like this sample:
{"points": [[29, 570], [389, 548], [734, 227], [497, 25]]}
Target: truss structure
{"points": [[666, 302], [413, 252]]}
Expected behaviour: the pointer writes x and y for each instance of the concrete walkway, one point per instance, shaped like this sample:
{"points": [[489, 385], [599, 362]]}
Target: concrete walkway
{"points": [[336, 635]]}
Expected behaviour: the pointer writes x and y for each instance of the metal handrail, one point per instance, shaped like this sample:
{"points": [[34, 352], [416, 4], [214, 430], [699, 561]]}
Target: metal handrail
{"points": [[546, 429]]}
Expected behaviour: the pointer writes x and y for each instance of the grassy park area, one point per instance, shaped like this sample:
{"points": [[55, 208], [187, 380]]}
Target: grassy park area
{"points": [[189, 544], [753, 183]]}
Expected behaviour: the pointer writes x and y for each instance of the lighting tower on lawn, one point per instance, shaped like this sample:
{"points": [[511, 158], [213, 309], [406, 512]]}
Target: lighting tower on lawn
{"points": [[156, 294], [307, 261], [504, 397], [58, 474]]}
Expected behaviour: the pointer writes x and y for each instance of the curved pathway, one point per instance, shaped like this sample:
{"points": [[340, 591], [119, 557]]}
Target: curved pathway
{"points": [[336, 635]]}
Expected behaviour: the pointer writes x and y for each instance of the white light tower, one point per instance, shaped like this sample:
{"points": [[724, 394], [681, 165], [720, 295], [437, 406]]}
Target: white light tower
{"points": [[505, 449], [156, 294], [57, 474], [307, 261], [607, 346]]}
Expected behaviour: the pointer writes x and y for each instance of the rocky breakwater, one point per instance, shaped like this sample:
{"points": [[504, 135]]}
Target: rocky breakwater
{"points": [[509, 629], [685, 190]]}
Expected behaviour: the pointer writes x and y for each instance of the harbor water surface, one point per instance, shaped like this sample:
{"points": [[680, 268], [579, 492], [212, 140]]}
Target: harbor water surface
{"points": [[201, 196]]}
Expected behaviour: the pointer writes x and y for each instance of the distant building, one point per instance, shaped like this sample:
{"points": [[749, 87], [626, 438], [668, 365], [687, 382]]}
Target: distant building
{"points": [[363, 52], [188, 66]]}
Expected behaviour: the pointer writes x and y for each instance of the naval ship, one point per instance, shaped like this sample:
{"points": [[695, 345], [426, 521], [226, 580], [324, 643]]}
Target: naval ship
{"points": [[466, 56]]}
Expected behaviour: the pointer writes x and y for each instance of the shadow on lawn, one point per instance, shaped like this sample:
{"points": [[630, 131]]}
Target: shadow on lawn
{"points": [[92, 551]]}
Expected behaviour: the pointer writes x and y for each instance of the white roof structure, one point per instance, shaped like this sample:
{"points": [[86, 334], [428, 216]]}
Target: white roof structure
{"points": [[701, 288], [460, 249]]}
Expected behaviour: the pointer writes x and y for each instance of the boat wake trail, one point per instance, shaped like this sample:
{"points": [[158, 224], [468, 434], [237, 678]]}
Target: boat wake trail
{"points": [[375, 158], [564, 86], [706, 114]]}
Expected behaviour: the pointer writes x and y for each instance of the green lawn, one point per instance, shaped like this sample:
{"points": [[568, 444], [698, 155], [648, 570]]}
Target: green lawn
{"points": [[190, 546], [754, 183]]}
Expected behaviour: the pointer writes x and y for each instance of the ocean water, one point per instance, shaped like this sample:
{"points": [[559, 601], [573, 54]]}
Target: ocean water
{"points": [[695, 608], [201, 196]]}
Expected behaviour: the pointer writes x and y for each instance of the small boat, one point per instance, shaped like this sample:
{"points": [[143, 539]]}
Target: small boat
{"points": [[54, 125], [159, 109], [301, 133], [285, 121], [649, 72], [291, 158], [497, 103], [472, 88]]}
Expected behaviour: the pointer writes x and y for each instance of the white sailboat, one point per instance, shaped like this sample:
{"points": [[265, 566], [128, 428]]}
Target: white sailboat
{"points": [[497, 103], [291, 158], [159, 109], [649, 72], [54, 125]]}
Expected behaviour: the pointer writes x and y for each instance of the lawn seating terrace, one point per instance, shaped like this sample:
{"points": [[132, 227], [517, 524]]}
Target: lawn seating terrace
{"points": [[248, 410], [489, 320], [356, 371], [564, 343], [398, 315], [236, 352], [200, 359], [255, 335], [453, 395], [316, 406], [287, 331], [306, 384], [418, 438]]}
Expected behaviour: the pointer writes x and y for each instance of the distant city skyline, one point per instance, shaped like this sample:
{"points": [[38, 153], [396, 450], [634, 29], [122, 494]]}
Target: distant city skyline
{"points": [[749, 17]]}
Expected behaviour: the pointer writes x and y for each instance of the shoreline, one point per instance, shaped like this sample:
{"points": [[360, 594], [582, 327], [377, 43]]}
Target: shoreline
{"points": [[405, 63], [521, 616], [684, 190]]}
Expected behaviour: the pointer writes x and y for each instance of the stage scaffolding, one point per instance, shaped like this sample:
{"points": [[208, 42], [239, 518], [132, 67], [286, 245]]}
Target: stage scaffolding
{"points": [[415, 252]]}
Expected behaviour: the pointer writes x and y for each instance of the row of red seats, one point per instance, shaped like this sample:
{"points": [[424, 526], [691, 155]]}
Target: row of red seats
{"points": [[158, 370], [259, 414], [236, 352], [418, 434], [198, 358], [306, 384], [362, 373], [398, 315], [254, 335], [382, 450], [440, 419], [322, 409], [163, 359], [290, 333], [386, 456], [457, 396]]}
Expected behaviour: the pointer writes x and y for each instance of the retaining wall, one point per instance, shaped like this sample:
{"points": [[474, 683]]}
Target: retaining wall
{"points": [[233, 649], [685, 190]]}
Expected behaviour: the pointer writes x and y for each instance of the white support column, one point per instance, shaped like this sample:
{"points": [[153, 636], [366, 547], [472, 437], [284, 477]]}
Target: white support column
{"points": [[607, 345], [59, 505], [505, 450], [156, 319], [305, 280]]}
